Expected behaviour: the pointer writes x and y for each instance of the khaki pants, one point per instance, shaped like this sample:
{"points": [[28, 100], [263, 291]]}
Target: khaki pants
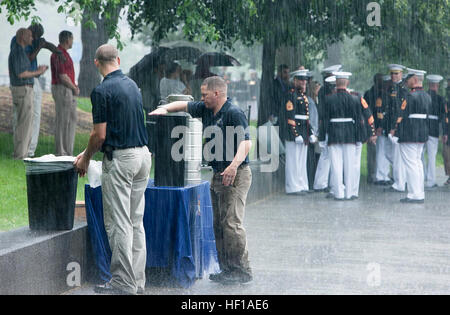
{"points": [[66, 119], [37, 104], [22, 97], [446, 154], [124, 181], [229, 208]]}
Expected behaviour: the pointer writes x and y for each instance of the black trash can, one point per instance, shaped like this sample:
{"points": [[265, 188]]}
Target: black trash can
{"points": [[52, 192]]}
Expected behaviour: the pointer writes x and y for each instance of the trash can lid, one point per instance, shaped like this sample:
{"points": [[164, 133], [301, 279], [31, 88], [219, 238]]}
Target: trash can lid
{"points": [[48, 164], [50, 158]]}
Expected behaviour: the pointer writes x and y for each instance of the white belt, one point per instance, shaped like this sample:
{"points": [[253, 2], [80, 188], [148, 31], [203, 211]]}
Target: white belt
{"points": [[342, 120], [418, 116], [434, 117], [302, 117]]}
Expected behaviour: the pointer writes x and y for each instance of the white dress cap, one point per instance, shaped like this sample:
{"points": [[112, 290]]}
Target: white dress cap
{"points": [[419, 73], [395, 67], [332, 69], [342, 75], [331, 79], [434, 78], [300, 73]]}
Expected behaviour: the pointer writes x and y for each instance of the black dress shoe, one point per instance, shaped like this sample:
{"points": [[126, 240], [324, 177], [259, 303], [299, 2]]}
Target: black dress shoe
{"points": [[107, 288], [231, 278], [353, 198], [392, 190], [217, 277], [408, 200]]}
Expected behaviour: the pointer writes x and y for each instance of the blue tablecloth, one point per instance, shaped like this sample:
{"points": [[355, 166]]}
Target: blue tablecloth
{"points": [[179, 231]]}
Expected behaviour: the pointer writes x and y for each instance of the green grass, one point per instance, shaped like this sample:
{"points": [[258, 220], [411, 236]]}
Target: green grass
{"points": [[84, 104], [13, 188]]}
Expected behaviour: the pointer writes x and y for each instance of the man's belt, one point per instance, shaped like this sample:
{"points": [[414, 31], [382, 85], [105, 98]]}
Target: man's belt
{"points": [[342, 120], [108, 150], [418, 116], [302, 117], [434, 117]]}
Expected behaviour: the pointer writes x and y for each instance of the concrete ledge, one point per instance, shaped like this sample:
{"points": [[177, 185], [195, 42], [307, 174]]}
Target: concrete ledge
{"points": [[38, 262], [53, 262]]}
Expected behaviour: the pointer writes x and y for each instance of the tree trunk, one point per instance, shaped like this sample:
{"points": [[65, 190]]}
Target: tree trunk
{"points": [[91, 39], [265, 108], [266, 104], [290, 56]]}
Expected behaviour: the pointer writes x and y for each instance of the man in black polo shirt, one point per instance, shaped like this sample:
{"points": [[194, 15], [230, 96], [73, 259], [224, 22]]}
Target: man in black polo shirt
{"points": [[119, 132], [225, 127]]}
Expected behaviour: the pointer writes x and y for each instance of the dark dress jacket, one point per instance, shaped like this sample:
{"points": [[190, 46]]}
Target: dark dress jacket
{"points": [[341, 115], [411, 126], [437, 114], [297, 116]]}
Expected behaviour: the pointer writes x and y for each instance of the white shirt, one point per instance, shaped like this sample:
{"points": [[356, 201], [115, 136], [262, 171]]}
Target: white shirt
{"points": [[170, 86]]}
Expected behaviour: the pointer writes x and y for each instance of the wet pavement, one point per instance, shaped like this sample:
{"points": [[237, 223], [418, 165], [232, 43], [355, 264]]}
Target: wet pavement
{"points": [[313, 245]]}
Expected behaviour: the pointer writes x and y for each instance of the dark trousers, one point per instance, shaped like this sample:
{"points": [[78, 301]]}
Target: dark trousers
{"points": [[229, 208]]}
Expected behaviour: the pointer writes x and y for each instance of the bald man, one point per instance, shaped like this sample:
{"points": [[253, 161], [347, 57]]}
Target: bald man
{"points": [[21, 79], [119, 132]]}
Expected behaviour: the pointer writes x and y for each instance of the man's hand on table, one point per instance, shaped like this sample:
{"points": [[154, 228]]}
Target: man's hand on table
{"points": [[159, 111]]}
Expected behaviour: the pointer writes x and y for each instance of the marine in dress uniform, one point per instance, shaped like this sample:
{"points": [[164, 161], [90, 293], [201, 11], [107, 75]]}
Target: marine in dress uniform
{"points": [[383, 125], [411, 132], [342, 113], [445, 138], [300, 116], [396, 96], [436, 116], [374, 97], [365, 129], [322, 177]]}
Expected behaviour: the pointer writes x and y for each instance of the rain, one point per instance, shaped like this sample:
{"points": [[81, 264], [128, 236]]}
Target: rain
{"points": [[343, 110]]}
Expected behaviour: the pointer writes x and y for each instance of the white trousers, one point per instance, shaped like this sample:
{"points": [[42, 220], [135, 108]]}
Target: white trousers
{"points": [[296, 170], [323, 170], [411, 154], [357, 170], [37, 104], [384, 149], [343, 172], [398, 169], [431, 147]]}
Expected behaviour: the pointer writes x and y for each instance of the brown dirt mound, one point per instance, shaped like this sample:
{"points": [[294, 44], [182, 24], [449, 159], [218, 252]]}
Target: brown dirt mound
{"points": [[84, 121]]}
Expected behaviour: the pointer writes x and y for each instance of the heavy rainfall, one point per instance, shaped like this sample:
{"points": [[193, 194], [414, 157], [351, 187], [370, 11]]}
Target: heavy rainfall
{"points": [[245, 147]]}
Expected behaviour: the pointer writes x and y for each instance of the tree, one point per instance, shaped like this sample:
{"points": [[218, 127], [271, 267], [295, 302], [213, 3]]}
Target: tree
{"points": [[417, 31]]}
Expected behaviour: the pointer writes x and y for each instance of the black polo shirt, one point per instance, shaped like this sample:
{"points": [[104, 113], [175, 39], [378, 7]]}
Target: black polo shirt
{"points": [[229, 116], [117, 102]]}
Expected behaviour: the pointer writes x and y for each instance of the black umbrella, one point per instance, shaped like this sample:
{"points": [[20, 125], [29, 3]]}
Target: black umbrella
{"points": [[162, 55], [216, 59]]}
